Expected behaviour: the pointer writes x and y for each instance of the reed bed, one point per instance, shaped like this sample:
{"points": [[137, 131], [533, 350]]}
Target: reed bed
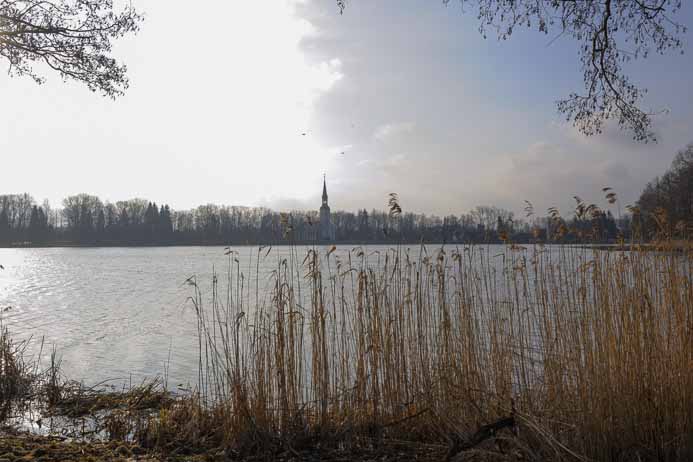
{"points": [[36, 396], [15, 372], [524, 353]]}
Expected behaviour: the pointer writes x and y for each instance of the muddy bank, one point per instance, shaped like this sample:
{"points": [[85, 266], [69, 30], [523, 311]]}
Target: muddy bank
{"points": [[16, 446], [24, 447]]}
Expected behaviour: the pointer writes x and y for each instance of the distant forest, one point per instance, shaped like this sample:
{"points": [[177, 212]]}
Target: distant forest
{"points": [[86, 220], [665, 208]]}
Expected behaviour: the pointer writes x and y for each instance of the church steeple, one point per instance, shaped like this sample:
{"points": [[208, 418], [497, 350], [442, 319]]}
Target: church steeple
{"points": [[326, 230], [324, 190]]}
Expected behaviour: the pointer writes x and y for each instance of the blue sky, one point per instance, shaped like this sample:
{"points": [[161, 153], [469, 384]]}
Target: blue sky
{"points": [[415, 98]]}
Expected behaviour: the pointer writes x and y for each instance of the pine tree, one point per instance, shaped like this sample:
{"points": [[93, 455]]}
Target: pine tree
{"points": [[42, 219], [100, 224], [123, 219], [155, 214], [148, 220], [86, 225], [167, 221], [4, 226], [33, 231]]}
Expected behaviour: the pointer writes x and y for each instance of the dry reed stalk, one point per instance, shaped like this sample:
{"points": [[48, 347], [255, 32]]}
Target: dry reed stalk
{"points": [[591, 350]]}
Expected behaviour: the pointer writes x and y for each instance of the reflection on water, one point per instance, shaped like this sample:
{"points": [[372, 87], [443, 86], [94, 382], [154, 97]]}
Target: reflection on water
{"points": [[118, 313], [124, 314]]}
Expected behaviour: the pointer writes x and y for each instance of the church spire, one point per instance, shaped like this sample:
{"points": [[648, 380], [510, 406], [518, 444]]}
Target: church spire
{"points": [[324, 189], [326, 230]]}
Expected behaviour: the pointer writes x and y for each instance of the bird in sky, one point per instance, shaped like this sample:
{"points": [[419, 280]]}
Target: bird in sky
{"points": [[2, 267]]}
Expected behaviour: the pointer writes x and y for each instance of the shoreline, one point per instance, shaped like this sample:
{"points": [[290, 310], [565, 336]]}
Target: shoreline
{"points": [[106, 245], [646, 247]]}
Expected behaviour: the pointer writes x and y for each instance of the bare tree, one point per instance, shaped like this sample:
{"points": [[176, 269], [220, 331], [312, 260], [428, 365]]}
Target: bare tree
{"points": [[610, 33], [489, 216], [72, 37], [80, 210], [666, 204]]}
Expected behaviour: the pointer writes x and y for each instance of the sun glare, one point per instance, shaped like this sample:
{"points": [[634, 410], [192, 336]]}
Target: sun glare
{"points": [[271, 101]]}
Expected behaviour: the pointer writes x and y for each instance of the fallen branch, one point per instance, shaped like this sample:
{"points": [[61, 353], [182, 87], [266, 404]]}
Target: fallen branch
{"points": [[484, 433]]}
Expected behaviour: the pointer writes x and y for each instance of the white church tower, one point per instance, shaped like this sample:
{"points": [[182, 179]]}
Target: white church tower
{"points": [[326, 231]]}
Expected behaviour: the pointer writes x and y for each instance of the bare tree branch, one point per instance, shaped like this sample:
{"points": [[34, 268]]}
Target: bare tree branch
{"points": [[71, 37], [611, 33]]}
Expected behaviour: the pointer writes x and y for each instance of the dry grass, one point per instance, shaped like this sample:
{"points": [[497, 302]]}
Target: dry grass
{"points": [[588, 355]]}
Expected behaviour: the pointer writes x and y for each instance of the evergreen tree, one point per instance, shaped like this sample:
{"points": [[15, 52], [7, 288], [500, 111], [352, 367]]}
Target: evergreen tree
{"points": [[148, 217], [167, 221], [42, 219], [33, 231], [155, 214], [100, 224], [4, 224], [363, 224], [164, 226], [33, 221], [38, 224], [86, 226], [122, 229], [123, 219]]}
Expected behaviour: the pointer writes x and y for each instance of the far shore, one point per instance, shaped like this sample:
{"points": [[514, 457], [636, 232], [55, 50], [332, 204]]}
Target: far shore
{"points": [[675, 246], [64, 244]]}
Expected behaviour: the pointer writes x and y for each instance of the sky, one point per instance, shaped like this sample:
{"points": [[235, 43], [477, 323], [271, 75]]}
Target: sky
{"points": [[251, 102]]}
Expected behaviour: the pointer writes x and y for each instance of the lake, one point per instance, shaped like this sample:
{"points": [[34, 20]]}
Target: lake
{"points": [[122, 313]]}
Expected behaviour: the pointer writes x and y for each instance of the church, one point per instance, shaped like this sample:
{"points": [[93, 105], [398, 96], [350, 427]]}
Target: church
{"points": [[326, 231]]}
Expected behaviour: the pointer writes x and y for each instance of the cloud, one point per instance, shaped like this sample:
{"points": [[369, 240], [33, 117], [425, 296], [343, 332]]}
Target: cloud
{"points": [[385, 165], [339, 150], [289, 204], [364, 163], [392, 130], [550, 173], [325, 74]]}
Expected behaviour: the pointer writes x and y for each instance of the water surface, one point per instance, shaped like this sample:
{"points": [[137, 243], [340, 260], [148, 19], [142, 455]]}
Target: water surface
{"points": [[122, 313]]}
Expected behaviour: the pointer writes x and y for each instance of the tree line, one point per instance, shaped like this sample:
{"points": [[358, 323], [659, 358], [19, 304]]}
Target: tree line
{"points": [[665, 207], [85, 219]]}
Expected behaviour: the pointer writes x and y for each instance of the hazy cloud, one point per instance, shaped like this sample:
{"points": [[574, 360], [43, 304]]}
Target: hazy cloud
{"points": [[390, 130]]}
